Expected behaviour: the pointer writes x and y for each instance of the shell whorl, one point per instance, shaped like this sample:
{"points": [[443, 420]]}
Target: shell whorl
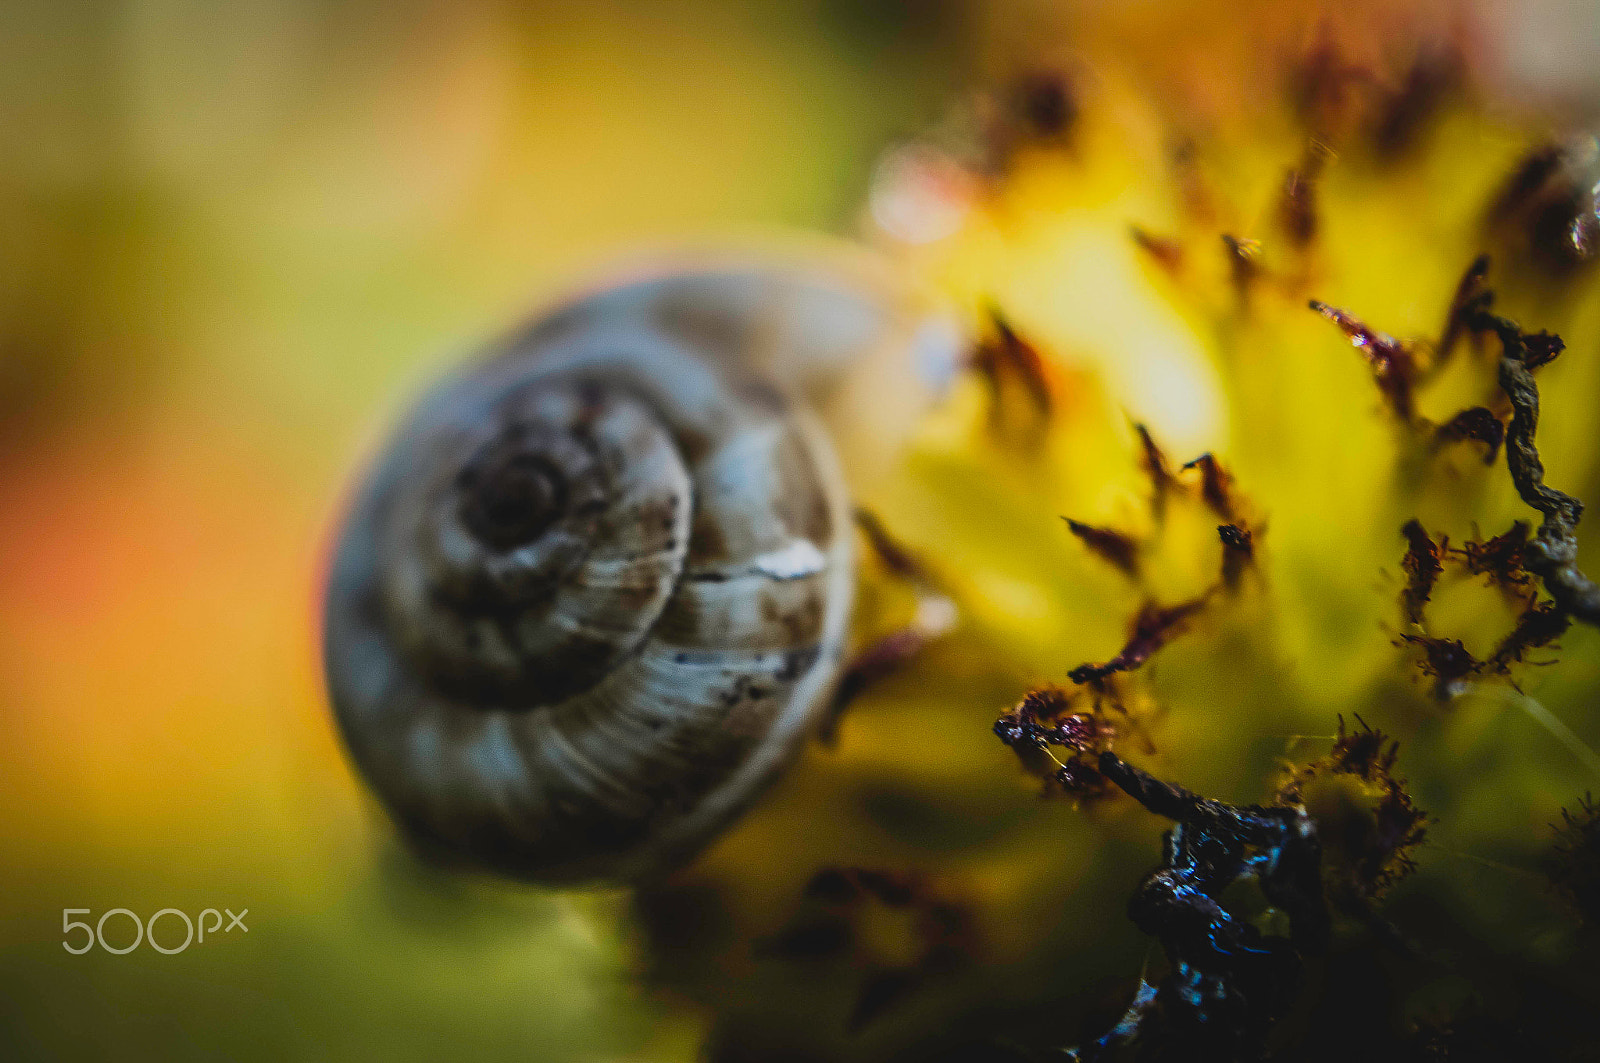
{"points": [[595, 592]]}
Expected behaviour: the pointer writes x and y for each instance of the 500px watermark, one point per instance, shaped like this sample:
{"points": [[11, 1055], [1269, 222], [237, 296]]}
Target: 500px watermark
{"points": [[145, 930]]}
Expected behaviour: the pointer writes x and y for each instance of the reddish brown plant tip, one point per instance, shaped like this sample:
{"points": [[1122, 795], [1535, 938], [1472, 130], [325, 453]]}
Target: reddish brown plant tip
{"points": [[1477, 423], [1027, 724], [1565, 230], [1297, 206], [1238, 552], [1537, 627], [1394, 366], [1046, 718], [881, 659], [1470, 297], [1154, 463], [1113, 547], [1164, 251], [1323, 83], [1297, 210], [891, 653], [1447, 660], [1244, 260], [1078, 731], [1423, 563], [1045, 103], [1153, 628], [1500, 558], [1007, 358], [1406, 115], [1199, 201], [1541, 348], [895, 556], [1216, 486], [1530, 177], [1551, 204], [1035, 108], [1080, 778], [1045, 702], [1367, 752]]}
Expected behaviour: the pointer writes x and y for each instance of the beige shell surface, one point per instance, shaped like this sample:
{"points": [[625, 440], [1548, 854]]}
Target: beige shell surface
{"points": [[595, 592]]}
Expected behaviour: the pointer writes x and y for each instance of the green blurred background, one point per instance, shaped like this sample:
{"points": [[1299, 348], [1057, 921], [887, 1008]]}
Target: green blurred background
{"points": [[234, 237]]}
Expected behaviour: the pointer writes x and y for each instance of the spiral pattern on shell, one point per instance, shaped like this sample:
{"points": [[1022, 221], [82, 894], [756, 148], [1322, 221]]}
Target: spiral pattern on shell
{"points": [[595, 591]]}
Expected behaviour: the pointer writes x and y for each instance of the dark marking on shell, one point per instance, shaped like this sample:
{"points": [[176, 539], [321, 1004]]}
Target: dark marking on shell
{"points": [[796, 663]]}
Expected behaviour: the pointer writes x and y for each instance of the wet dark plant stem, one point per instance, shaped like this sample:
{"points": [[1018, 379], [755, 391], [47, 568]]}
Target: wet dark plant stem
{"points": [[1552, 554]]}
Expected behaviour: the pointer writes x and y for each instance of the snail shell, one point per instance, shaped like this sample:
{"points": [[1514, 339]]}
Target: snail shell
{"points": [[595, 592]]}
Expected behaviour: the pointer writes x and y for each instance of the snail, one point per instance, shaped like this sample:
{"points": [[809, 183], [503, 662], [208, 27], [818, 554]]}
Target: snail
{"points": [[594, 593]]}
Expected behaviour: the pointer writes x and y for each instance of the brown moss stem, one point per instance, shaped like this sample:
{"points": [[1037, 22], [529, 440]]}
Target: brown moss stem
{"points": [[1552, 554]]}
